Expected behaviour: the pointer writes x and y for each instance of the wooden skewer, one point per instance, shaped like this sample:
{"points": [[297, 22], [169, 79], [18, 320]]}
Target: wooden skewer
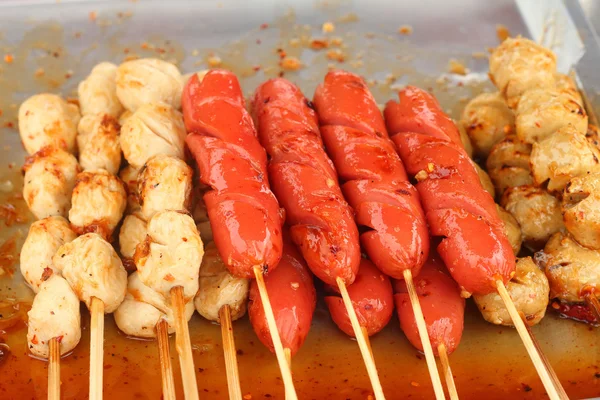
{"points": [[288, 356], [96, 348], [555, 380], [231, 366], [366, 335], [284, 366], [593, 304], [363, 344], [452, 392], [54, 370], [164, 355], [424, 335], [533, 352], [184, 345]]}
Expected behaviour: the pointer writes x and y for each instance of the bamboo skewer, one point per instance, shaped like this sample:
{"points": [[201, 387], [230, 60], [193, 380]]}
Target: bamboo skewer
{"points": [[184, 345], [593, 304], [166, 367], [54, 370], [452, 392], [362, 340], [284, 366], [533, 352], [424, 335], [96, 348], [231, 366], [288, 356]]}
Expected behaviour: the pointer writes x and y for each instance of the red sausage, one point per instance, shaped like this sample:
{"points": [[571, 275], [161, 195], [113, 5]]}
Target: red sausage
{"points": [[443, 307], [293, 298], [305, 182], [475, 248], [371, 295], [243, 212], [377, 188]]}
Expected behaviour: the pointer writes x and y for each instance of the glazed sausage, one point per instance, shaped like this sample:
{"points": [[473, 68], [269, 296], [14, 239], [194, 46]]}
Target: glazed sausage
{"points": [[305, 182], [443, 307], [376, 187], [372, 299], [243, 212], [293, 299], [475, 248]]}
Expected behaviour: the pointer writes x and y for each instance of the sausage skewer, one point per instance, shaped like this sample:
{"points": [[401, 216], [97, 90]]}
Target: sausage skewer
{"points": [[376, 187], [243, 212], [304, 181], [457, 206]]}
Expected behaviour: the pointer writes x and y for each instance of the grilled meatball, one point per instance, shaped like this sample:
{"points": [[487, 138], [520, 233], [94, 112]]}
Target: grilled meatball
{"points": [[485, 180], [218, 288], [562, 156], [171, 254], [564, 83], [132, 233], [592, 135], [572, 269], [537, 212], [143, 308], [54, 314], [508, 164], [487, 120], [49, 180], [518, 65], [511, 228], [129, 176], [47, 120], [541, 112], [93, 269], [529, 290], [98, 142], [581, 209], [43, 240], [98, 92], [164, 183], [153, 129], [98, 202], [148, 80]]}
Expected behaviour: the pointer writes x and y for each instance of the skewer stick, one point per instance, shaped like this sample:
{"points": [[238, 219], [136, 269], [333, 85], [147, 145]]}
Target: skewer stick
{"points": [[452, 392], [533, 352], [284, 366], [231, 366], [184, 345], [54, 370], [96, 348], [557, 384], [288, 356], [364, 346], [424, 335], [166, 368], [593, 304], [366, 335]]}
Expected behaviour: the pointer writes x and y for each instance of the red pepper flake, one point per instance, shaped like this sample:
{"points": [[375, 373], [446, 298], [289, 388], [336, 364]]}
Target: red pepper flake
{"points": [[92, 16], [34, 339], [258, 41], [0, 112], [8, 58], [263, 26], [169, 278], [256, 68], [47, 274]]}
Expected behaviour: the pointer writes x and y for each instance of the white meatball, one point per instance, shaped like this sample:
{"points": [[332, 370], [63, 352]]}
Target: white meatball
{"points": [[487, 120], [518, 65], [43, 240], [153, 129], [132, 233], [164, 183], [129, 176], [218, 288], [562, 156], [93, 269], [98, 202], [54, 314], [542, 112], [47, 120], [511, 229], [529, 290], [143, 308], [565, 84], [48, 183], [572, 269], [124, 117], [508, 164], [171, 254], [98, 92], [581, 209], [537, 212], [148, 80], [98, 141]]}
